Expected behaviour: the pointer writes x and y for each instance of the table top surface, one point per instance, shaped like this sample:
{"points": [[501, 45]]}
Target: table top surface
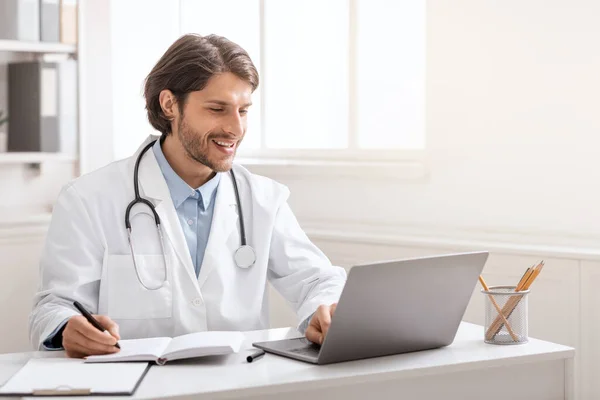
{"points": [[232, 376]]}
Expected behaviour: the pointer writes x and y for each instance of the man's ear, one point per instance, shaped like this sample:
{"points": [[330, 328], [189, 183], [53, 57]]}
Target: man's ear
{"points": [[168, 103]]}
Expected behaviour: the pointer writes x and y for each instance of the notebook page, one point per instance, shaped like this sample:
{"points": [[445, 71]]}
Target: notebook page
{"points": [[65, 373], [147, 349], [211, 342]]}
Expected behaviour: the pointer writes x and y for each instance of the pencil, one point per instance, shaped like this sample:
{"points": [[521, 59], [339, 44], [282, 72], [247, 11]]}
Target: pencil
{"points": [[533, 276], [523, 276], [524, 284], [497, 307]]}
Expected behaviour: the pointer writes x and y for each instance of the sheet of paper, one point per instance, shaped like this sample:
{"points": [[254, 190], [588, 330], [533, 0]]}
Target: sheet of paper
{"points": [[135, 349], [68, 373], [210, 339]]}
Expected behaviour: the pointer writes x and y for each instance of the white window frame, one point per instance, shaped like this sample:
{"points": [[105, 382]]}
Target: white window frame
{"points": [[348, 162]]}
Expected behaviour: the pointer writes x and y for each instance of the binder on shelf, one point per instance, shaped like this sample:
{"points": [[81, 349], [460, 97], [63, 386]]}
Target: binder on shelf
{"points": [[33, 105], [20, 20], [49, 21], [68, 21]]}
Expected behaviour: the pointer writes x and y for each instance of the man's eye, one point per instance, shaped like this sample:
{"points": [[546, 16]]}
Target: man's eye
{"points": [[243, 112], [216, 109]]}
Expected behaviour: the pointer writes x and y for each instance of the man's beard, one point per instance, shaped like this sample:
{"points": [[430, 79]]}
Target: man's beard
{"points": [[192, 143]]}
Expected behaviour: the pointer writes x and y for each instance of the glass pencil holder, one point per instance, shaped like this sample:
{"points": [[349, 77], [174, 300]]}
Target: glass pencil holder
{"points": [[506, 315]]}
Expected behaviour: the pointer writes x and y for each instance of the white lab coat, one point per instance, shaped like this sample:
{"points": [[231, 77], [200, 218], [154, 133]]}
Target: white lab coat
{"points": [[87, 258]]}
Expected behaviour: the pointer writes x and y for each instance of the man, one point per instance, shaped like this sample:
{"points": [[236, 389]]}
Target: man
{"points": [[225, 231]]}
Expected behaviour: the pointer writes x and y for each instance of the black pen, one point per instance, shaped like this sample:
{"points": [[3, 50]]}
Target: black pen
{"points": [[255, 356], [91, 319]]}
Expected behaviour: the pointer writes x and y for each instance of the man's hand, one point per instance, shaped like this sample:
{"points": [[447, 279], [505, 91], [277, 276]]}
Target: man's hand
{"points": [[319, 323], [81, 339]]}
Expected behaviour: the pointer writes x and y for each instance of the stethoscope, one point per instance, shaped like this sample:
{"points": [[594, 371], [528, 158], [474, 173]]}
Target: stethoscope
{"points": [[244, 256]]}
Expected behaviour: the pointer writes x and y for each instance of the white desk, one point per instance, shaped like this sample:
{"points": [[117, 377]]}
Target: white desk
{"points": [[468, 369]]}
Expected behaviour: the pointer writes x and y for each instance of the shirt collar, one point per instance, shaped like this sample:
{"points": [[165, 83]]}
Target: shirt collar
{"points": [[180, 190]]}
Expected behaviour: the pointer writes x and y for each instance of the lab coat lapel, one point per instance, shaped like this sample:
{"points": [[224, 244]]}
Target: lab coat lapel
{"points": [[223, 239], [154, 187]]}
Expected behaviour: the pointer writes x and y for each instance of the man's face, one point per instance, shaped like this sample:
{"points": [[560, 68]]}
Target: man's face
{"points": [[214, 121]]}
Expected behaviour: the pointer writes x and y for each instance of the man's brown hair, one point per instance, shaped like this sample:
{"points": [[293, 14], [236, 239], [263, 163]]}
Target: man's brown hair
{"points": [[187, 66]]}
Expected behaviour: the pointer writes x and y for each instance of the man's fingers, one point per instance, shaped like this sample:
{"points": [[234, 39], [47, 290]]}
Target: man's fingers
{"points": [[324, 315], [320, 323], [74, 351], [110, 325], [114, 331], [78, 346], [91, 333], [91, 347], [313, 334]]}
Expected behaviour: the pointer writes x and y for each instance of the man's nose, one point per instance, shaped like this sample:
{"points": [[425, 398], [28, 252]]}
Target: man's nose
{"points": [[234, 125]]}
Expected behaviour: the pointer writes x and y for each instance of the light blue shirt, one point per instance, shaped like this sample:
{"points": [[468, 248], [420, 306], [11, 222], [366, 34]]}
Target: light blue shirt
{"points": [[194, 207]]}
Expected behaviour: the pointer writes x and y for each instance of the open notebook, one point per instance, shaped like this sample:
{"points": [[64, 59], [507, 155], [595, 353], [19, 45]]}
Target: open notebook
{"points": [[163, 349]]}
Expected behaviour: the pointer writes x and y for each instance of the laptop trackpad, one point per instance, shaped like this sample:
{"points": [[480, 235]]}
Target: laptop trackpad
{"points": [[301, 346]]}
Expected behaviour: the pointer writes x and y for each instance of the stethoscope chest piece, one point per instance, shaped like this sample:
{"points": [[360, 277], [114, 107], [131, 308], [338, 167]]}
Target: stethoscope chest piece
{"points": [[245, 256]]}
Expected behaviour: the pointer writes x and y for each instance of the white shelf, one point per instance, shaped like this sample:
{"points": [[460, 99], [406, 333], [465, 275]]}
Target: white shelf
{"points": [[36, 47], [34, 158]]}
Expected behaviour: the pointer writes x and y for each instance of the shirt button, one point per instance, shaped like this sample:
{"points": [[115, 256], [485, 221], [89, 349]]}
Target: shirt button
{"points": [[197, 301], [190, 222]]}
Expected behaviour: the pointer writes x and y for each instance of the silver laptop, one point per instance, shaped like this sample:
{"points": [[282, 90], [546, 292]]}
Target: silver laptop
{"points": [[393, 307]]}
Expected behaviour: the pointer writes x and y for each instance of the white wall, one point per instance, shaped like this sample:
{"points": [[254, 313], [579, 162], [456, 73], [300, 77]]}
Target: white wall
{"points": [[511, 123], [136, 47], [512, 130], [119, 47], [20, 247], [95, 81]]}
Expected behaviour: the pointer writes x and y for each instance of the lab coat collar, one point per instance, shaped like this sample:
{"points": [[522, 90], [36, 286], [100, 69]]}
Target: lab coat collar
{"points": [[154, 188]]}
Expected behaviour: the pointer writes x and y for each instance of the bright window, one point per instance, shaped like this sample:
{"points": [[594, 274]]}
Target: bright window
{"points": [[339, 78]]}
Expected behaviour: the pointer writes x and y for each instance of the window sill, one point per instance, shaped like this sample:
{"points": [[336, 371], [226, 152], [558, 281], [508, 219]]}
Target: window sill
{"points": [[405, 170]]}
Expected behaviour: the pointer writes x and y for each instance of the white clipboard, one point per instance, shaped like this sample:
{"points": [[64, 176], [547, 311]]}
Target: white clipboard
{"points": [[73, 377]]}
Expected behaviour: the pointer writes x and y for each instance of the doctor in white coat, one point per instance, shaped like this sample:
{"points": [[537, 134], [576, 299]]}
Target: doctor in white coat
{"points": [[210, 268]]}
